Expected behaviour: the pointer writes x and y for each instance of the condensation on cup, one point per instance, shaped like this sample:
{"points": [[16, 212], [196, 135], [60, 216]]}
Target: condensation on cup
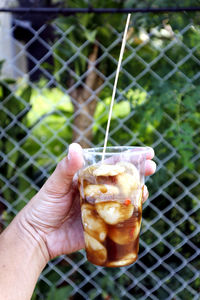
{"points": [[111, 203]]}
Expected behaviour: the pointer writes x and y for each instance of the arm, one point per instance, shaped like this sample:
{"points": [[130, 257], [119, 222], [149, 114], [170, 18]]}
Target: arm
{"points": [[23, 255]]}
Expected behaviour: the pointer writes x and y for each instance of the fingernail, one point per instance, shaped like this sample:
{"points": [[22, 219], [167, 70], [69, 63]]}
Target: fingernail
{"points": [[74, 147]]}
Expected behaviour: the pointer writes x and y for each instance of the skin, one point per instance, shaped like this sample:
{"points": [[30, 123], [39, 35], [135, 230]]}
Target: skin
{"points": [[48, 226]]}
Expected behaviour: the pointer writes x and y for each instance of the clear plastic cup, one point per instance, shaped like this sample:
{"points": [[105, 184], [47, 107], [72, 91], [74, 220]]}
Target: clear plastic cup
{"points": [[111, 203]]}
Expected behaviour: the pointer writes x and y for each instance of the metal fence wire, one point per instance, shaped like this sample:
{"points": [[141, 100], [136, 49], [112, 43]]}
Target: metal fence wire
{"points": [[56, 81]]}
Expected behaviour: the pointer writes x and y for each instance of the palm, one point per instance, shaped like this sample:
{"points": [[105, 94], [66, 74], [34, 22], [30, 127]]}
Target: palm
{"points": [[67, 235], [57, 218]]}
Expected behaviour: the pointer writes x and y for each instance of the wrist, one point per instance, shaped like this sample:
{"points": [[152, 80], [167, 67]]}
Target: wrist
{"points": [[23, 256]]}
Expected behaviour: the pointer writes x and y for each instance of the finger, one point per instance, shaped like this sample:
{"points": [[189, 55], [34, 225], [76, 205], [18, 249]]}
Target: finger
{"points": [[150, 167], [150, 154], [60, 181], [145, 194], [135, 155]]}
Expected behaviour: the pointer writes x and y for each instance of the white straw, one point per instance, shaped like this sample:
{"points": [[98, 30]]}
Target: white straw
{"points": [[115, 83]]}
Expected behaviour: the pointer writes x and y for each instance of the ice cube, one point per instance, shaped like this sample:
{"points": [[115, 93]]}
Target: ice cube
{"points": [[124, 233], [136, 197], [129, 168], [92, 223], [126, 260], [96, 190], [96, 252], [114, 212], [86, 175], [108, 170], [127, 183]]}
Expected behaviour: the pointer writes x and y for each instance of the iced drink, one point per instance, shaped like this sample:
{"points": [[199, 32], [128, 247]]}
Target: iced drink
{"points": [[111, 204]]}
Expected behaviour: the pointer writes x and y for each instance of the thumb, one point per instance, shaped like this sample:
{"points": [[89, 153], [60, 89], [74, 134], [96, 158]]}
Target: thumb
{"points": [[60, 181]]}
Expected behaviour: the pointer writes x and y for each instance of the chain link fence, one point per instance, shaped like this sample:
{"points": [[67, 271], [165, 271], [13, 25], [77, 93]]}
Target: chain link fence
{"points": [[55, 87]]}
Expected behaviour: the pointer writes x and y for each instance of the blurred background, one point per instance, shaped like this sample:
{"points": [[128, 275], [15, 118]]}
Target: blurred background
{"points": [[57, 75]]}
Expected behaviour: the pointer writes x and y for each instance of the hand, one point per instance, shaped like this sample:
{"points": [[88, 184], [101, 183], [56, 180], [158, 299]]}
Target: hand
{"points": [[54, 212]]}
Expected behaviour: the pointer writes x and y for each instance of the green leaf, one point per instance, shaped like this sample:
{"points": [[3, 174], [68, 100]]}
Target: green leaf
{"points": [[12, 158], [26, 94], [158, 114], [1, 64], [10, 80], [1, 91], [62, 293], [90, 35], [86, 19], [104, 32]]}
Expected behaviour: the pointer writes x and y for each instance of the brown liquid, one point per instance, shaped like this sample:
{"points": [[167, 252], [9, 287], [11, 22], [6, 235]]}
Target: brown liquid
{"points": [[111, 223]]}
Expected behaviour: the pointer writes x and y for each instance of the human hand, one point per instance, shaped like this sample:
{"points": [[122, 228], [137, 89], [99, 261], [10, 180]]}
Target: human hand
{"points": [[54, 212]]}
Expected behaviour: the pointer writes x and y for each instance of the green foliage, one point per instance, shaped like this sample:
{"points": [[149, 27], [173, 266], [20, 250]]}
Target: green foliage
{"points": [[110, 289], [13, 113], [160, 110], [59, 293], [85, 29], [54, 115], [181, 107]]}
